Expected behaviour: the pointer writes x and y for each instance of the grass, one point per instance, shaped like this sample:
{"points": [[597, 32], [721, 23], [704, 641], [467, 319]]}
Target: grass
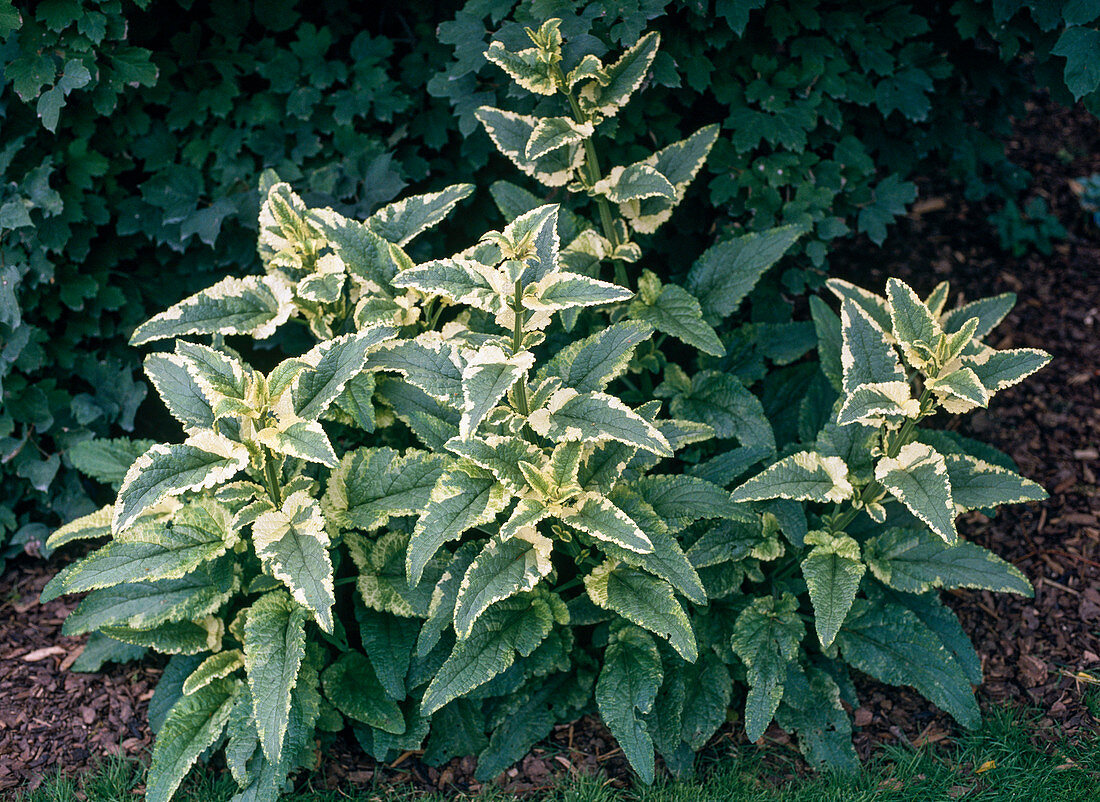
{"points": [[994, 764]]}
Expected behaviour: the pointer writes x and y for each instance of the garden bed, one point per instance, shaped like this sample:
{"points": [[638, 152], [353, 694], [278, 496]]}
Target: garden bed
{"points": [[1043, 651]]}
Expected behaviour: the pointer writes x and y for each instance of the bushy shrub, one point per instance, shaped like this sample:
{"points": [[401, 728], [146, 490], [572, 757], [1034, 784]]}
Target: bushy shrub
{"points": [[135, 132], [463, 515]]}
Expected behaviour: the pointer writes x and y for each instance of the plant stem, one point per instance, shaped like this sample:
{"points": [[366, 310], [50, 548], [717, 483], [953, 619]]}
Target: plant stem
{"points": [[271, 478], [592, 165], [873, 488], [517, 346]]}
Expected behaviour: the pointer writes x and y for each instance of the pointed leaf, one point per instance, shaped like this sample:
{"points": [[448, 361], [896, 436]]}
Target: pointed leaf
{"points": [[832, 571], [590, 364], [644, 600], [596, 417], [502, 569], [401, 221], [918, 479], [626, 689], [676, 312], [805, 476], [766, 636]]}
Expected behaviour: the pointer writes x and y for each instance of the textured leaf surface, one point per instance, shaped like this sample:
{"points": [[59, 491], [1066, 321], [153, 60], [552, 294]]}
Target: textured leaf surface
{"points": [[805, 476], [293, 545], [977, 484], [603, 520], [353, 688], [332, 365], [373, 485], [518, 624], [915, 561], [254, 305], [893, 646], [726, 405], [502, 569], [400, 222], [866, 355], [832, 571], [274, 645], [589, 365], [918, 479], [194, 724], [626, 689], [485, 379], [596, 417], [677, 312], [644, 600], [766, 637]]}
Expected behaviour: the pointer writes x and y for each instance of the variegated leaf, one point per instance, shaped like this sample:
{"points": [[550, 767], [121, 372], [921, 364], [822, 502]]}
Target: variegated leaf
{"points": [[602, 520], [596, 417], [373, 485], [805, 476], [918, 478], [504, 568], [866, 355], [331, 365], [552, 133], [589, 365], [645, 600], [977, 484], [832, 571], [604, 98], [487, 376], [511, 132], [369, 258], [403, 220]]}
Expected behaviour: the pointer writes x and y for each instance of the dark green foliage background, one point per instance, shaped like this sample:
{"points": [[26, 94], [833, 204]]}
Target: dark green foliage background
{"points": [[134, 132]]}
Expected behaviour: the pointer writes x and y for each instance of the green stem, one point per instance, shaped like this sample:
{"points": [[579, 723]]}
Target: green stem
{"points": [[517, 346], [595, 175], [271, 478], [874, 488], [572, 583]]}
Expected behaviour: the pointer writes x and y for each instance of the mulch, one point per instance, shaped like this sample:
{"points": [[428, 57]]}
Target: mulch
{"points": [[1042, 652]]}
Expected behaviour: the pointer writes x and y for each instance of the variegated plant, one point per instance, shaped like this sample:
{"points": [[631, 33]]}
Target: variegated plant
{"points": [[466, 514]]}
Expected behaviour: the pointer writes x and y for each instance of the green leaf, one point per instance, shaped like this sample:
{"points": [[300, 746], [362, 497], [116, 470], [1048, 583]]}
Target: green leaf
{"points": [[293, 545], [726, 405], [388, 641], [832, 571], [604, 521], [892, 645], [332, 365], [565, 290], [644, 600], [174, 637], [679, 500], [707, 689], [203, 461], [353, 688], [589, 365], [827, 328], [989, 312], [511, 132], [367, 256], [86, 527], [874, 305], [997, 370], [148, 604], [465, 496], [811, 706], [551, 133], [274, 645], [626, 690], [912, 322], [149, 554], [255, 306], [727, 271], [107, 460], [382, 583], [524, 67], [515, 625], [942, 622], [915, 561], [636, 182], [766, 635], [402, 221], [805, 476], [622, 78], [373, 485], [179, 390], [499, 454], [918, 479], [878, 403], [195, 723], [596, 417], [676, 312], [502, 569], [976, 484], [866, 353], [1080, 46], [304, 439], [214, 667], [487, 376], [436, 368]]}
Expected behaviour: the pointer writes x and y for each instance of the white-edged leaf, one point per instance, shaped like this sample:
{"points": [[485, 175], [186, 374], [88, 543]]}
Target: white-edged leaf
{"points": [[504, 568], [918, 478], [403, 220], [551, 133], [604, 521], [486, 378], [589, 365], [866, 355], [332, 364], [373, 485], [596, 417], [977, 484], [645, 600], [805, 476]]}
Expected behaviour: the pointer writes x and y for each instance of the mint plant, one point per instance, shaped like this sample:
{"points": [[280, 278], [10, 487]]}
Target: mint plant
{"points": [[466, 514]]}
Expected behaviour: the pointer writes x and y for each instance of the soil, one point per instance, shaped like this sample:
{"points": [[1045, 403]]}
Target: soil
{"points": [[1042, 652]]}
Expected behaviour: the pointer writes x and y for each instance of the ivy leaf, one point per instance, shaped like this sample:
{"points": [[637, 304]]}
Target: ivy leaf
{"points": [[353, 688], [504, 568], [274, 645], [727, 271], [915, 561], [515, 625], [832, 571], [677, 312], [193, 725], [626, 690], [766, 635], [644, 600], [918, 479], [255, 306], [1080, 46], [891, 196], [892, 645], [294, 548]]}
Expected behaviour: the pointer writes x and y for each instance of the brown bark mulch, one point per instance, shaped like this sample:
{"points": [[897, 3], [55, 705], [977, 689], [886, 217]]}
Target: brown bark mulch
{"points": [[1042, 652]]}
